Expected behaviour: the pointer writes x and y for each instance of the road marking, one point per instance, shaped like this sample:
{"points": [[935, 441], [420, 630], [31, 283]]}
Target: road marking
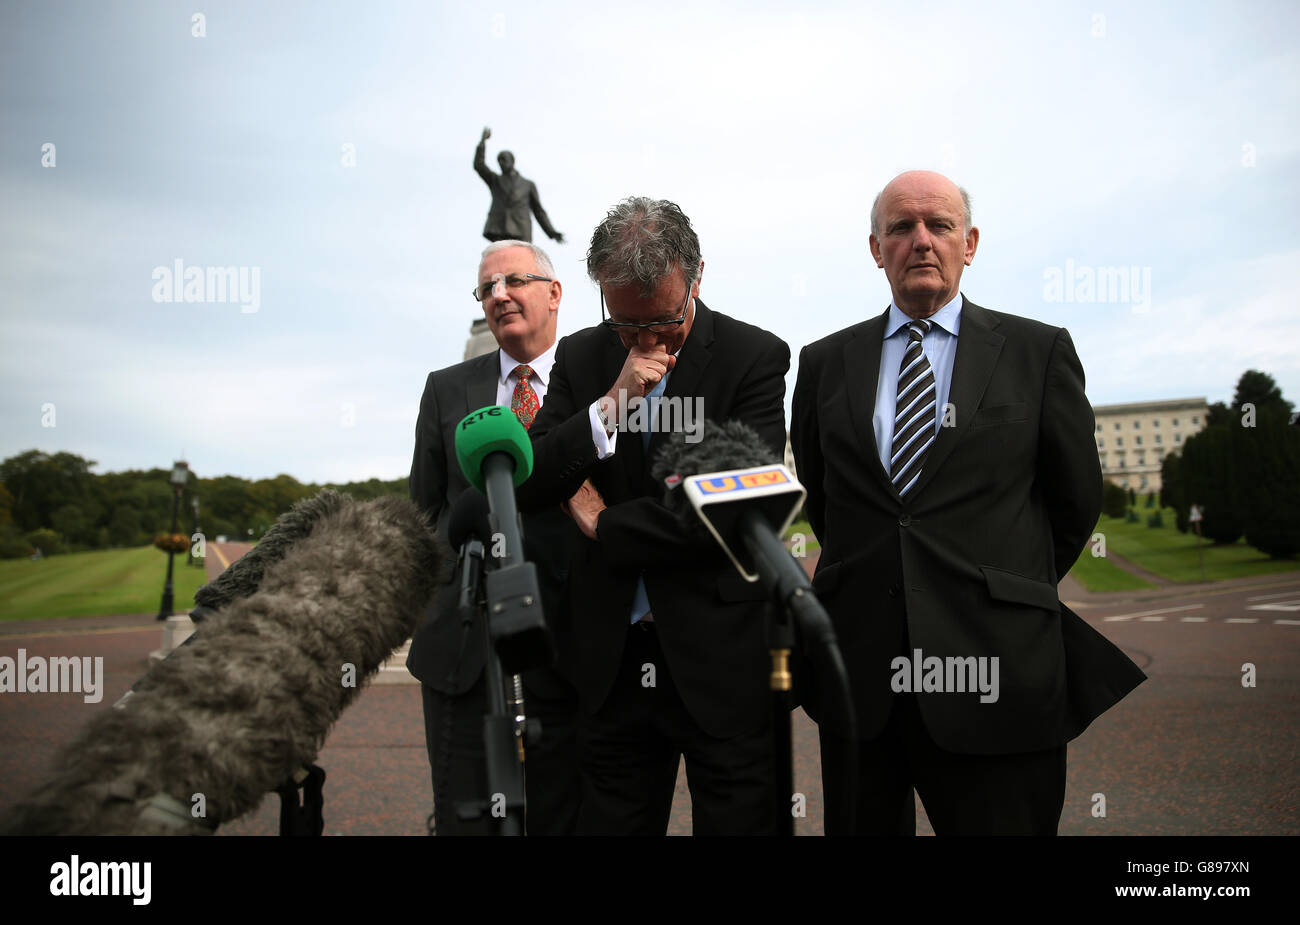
{"points": [[1242, 620], [1288, 606], [1153, 620], [1287, 622], [1151, 613], [225, 563], [1194, 619], [1269, 597]]}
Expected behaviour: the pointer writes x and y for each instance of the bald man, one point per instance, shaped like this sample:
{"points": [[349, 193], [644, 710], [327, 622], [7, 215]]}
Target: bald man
{"points": [[952, 480]]}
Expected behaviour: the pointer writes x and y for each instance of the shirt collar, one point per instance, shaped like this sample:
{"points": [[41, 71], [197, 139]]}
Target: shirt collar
{"points": [[541, 365], [948, 318]]}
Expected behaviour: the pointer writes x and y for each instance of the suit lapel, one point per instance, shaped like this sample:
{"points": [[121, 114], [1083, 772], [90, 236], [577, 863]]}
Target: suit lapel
{"points": [[862, 377], [481, 384], [978, 346]]}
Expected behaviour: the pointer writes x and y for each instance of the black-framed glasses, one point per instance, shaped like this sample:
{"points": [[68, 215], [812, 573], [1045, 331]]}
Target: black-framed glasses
{"points": [[514, 281], [654, 327]]}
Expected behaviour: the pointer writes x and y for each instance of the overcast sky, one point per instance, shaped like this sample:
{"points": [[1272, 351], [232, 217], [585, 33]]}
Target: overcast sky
{"points": [[1157, 144]]}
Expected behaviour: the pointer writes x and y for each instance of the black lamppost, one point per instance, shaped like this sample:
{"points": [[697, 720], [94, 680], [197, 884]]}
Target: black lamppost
{"points": [[194, 503], [180, 473]]}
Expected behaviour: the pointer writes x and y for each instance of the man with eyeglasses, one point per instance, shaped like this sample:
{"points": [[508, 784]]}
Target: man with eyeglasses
{"points": [[669, 654], [520, 296]]}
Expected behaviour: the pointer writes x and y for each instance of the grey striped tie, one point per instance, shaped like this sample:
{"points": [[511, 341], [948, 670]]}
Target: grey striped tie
{"points": [[915, 417]]}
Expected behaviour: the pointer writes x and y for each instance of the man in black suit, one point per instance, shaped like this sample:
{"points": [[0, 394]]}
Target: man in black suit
{"points": [[669, 652], [521, 299], [952, 481], [513, 197]]}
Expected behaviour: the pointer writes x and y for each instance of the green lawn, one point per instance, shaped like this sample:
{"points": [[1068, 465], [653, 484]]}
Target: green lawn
{"points": [[805, 528], [102, 583], [1098, 574], [1173, 555]]}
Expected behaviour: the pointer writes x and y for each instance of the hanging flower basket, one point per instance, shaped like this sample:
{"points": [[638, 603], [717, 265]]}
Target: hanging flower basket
{"points": [[172, 542]]}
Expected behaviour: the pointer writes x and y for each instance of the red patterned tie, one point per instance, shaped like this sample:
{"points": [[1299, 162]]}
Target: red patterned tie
{"points": [[524, 402]]}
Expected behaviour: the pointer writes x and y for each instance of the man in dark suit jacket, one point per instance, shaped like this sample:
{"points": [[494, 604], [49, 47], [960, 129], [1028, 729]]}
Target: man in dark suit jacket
{"points": [[952, 481], [520, 299], [513, 197], [668, 639]]}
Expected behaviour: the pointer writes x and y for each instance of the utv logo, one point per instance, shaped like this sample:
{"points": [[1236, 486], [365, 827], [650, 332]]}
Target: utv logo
{"points": [[755, 479], [103, 878]]}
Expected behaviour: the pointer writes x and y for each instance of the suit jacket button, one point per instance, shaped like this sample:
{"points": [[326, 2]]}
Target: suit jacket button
{"points": [[904, 520]]}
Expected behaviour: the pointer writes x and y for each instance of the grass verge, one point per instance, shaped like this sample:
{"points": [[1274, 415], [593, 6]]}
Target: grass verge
{"points": [[105, 582]]}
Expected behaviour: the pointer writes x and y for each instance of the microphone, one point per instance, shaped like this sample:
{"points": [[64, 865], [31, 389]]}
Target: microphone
{"points": [[746, 501], [467, 531], [734, 485], [496, 457], [243, 576], [227, 718]]}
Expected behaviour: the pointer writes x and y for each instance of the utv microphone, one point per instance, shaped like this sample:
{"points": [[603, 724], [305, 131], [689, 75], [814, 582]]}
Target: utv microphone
{"points": [[496, 456], [747, 508]]}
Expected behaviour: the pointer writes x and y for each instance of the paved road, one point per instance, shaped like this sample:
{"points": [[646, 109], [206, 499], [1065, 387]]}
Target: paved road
{"points": [[1191, 751]]}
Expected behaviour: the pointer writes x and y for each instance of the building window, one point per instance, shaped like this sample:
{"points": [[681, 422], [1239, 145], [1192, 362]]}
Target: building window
{"points": [[1195, 420], [1144, 482], [1175, 422], [1098, 428], [1157, 438], [1178, 438], [1101, 441], [1137, 424], [1137, 441], [1155, 422], [1117, 425], [1119, 441]]}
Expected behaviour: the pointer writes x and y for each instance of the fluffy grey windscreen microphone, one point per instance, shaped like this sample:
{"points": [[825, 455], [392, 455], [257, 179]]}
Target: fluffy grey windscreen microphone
{"points": [[243, 577], [231, 715], [730, 445]]}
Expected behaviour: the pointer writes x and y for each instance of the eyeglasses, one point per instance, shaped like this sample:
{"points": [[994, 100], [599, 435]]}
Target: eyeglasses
{"points": [[654, 327], [513, 282]]}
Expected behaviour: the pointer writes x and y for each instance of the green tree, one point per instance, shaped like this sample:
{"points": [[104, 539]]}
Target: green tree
{"points": [[1171, 489], [1259, 389], [1269, 454], [1211, 478], [47, 541], [41, 483], [1114, 501]]}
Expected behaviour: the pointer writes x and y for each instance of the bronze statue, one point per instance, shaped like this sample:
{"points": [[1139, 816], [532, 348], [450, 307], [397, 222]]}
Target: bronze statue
{"points": [[513, 197]]}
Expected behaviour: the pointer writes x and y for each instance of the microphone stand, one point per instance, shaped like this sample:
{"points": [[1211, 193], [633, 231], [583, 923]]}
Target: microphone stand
{"points": [[791, 602], [503, 741], [780, 640]]}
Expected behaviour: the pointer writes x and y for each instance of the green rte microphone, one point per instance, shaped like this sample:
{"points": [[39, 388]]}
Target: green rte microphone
{"points": [[493, 429]]}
